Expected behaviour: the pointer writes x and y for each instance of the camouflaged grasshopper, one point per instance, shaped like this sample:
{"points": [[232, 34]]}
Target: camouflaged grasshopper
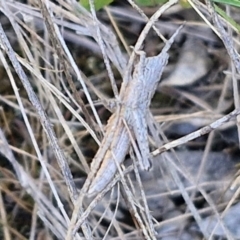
{"points": [[135, 99]]}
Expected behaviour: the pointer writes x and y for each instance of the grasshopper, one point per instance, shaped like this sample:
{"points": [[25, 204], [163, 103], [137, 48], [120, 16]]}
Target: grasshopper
{"points": [[135, 99]]}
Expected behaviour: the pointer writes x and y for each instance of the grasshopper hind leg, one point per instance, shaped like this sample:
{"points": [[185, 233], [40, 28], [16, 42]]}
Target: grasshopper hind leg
{"points": [[139, 126]]}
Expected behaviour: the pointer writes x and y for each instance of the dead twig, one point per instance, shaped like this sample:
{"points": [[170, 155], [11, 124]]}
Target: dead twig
{"points": [[205, 130]]}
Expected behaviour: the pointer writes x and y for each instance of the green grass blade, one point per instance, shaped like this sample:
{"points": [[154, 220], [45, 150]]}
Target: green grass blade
{"points": [[98, 4], [235, 3], [234, 24]]}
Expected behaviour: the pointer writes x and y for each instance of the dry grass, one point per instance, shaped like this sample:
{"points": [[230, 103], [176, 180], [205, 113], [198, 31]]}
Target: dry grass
{"points": [[61, 72]]}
